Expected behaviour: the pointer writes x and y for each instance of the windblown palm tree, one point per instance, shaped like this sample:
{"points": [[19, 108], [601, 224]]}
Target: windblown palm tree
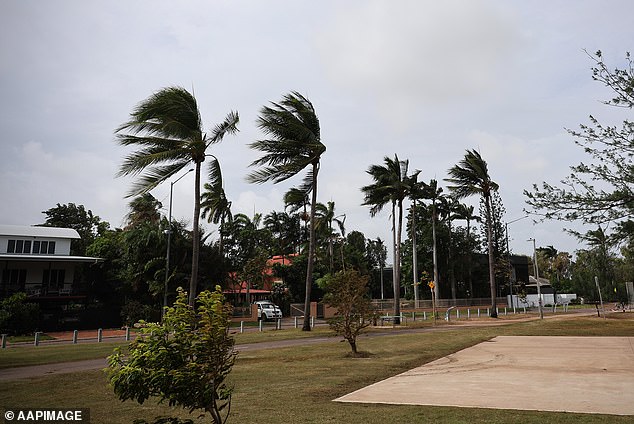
{"points": [[466, 213], [168, 132], [214, 203], [434, 193], [471, 177], [294, 145], [391, 185]]}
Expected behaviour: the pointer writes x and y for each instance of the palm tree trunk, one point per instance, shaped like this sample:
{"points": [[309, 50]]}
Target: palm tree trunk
{"points": [[397, 285], [195, 239], [494, 312], [434, 253], [311, 250], [414, 255]]}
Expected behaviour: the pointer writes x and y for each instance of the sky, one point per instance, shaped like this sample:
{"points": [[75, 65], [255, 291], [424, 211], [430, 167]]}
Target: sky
{"points": [[425, 80]]}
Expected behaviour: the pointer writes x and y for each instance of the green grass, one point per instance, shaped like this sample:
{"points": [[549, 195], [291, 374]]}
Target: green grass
{"points": [[293, 385]]}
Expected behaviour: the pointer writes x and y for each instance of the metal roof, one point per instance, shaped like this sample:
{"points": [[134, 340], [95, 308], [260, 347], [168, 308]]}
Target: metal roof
{"points": [[32, 231]]}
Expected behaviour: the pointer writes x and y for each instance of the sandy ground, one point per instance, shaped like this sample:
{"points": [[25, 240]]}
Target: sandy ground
{"points": [[571, 374]]}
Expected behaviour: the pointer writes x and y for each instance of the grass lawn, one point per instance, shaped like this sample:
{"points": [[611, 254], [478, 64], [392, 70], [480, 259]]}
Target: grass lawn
{"points": [[297, 384]]}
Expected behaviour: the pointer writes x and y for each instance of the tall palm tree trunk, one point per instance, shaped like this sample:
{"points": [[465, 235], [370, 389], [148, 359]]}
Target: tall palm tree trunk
{"points": [[193, 283], [397, 285], [494, 312], [434, 253], [311, 250], [414, 255]]}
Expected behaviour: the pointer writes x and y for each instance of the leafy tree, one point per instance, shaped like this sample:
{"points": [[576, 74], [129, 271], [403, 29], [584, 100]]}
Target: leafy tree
{"points": [[144, 208], [498, 233], [471, 177], [347, 292], [294, 145], [18, 316], [377, 255], [168, 132], [87, 224], [185, 360], [600, 191]]}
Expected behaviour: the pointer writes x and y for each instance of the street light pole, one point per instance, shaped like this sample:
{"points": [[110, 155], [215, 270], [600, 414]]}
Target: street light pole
{"points": [[169, 242], [508, 253], [539, 291]]}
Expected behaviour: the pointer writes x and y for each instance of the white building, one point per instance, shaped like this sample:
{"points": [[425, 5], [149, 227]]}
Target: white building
{"points": [[37, 260]]}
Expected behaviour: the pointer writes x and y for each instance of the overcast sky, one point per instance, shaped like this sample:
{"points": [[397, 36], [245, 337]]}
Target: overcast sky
{"points": [[423, 79]]}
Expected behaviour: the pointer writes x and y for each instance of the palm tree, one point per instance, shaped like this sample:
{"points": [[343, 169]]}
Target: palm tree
{"points": [[471, 177], [466, 213], [294, 145], [168, 132], [434, 193], [214, 203], [391, 185]]}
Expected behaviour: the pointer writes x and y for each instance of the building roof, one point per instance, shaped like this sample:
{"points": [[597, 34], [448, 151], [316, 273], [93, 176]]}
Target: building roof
{"points": [[33, 231]]}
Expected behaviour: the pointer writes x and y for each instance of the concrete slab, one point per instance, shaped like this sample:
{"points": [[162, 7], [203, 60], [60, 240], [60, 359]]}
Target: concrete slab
{"points": [[562, 374]]}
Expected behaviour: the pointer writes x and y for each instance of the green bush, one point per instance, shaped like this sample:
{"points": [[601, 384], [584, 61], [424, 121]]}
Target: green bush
{"points": [[18, 316]]}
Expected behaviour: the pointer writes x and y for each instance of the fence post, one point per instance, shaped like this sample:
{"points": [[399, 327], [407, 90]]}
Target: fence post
{"points": [[295, 321], [4, 341], [241, 327], [488, 312], [278, 324], [127, 333], [424, 315], [261, 325], [75, 335], [505, 312], [457, 313], [312, 321], [99, 335], [36, 342], [468, 313], [478, 312]]}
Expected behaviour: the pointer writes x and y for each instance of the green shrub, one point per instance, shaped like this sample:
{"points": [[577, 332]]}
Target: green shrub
{"points": [[18, 316]]}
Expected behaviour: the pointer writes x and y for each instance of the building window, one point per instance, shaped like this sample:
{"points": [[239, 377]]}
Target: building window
{"points": [[13, 276], [24, 246], [53, 278]]}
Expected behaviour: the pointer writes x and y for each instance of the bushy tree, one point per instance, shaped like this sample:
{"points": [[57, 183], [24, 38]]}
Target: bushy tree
{"points": [[347, 292], [17, 316], [184, 360]]}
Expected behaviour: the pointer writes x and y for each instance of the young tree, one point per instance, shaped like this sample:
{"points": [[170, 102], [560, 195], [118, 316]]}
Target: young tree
{"points": [[167, 129], [184, 360], [347, 292], [294, 145]]}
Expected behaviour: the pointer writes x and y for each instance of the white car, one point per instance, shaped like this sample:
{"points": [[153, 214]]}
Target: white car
{"points": [[268, 311]]}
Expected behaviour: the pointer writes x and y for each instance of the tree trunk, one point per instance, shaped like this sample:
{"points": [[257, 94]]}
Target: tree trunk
{"points": [[494, 313], [193, 283], [397, 286], [311, 250], [414, 255], [434, 254], [395, 282]]}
